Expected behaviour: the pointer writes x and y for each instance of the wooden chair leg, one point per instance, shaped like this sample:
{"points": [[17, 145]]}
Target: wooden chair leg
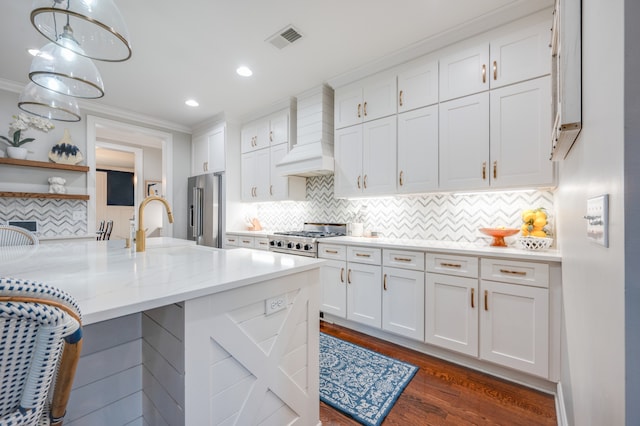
{"points": [[64, 381]]}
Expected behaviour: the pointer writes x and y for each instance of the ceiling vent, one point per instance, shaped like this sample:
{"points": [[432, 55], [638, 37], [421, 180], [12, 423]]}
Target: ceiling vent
{"points": [[284, 37]]}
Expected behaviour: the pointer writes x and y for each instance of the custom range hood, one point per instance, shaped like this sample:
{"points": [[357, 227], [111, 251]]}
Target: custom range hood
{"points": [[312, 155]]}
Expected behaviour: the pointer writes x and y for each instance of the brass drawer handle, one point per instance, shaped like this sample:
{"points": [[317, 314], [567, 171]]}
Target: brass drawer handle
{"points": [[495, 70], [495, 169], [246, 241], [473, 297], [341, 275], [270, 189], [401, 93], [484, 73], [384, 282], [359, 182], [365, 109], [401, 180], [450, 265], [349, 277], [508, 271], [363, 255], [486, 300], [359, 107], [331, 251], [484, 170], [402, 259], [365, 181], [271, 136]]}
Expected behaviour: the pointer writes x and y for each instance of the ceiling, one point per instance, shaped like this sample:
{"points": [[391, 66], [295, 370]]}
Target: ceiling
{"points": [[190, 49]]}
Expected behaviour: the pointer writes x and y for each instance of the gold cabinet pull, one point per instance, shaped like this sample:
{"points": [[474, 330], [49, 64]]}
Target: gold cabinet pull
{"points": [[509, 271], [363, 255], [365, 109], [364, 181], [271, 136], [484, 170], [473, 297], [270, 189], [495, 70], [402, 259], [484, 73], [359, 182], [384, 282], [341, 275], [495, 169], [359, 107], [246, 241], [331, 251], [349, 277], [486, 300], [400, 98], [401, 180], [451, 265]]}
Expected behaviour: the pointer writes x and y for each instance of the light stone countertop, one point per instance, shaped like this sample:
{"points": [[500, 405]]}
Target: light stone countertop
{"points": [[109, 281], [452, 247]]}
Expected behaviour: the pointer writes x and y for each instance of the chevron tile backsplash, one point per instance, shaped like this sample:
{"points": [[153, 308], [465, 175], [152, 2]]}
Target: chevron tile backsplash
{"points": [[449, 217], [54, 217]]}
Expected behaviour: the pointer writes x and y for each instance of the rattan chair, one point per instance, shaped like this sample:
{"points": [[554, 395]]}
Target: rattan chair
{"points": [[41, 335], [15, 236]]}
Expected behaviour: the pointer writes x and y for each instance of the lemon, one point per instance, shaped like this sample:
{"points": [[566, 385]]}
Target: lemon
{"points": [[528, 216], [540, 222], [538, 233], [541, 215]]}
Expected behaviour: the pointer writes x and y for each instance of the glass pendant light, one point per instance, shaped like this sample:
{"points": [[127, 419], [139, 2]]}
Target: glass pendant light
{"points": [[58, 63], [45, 103], [97, 26]]}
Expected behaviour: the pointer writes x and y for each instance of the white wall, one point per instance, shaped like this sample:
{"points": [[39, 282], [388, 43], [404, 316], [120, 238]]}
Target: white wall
{"points": [[593, 277]]}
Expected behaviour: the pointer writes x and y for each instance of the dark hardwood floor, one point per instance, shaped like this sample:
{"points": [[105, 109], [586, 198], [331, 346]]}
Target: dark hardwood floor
{"points": [[442, 393]]}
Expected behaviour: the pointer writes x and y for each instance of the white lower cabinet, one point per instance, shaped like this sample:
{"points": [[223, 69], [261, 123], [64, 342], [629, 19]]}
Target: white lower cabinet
{"points": [[238, 240], [403, 302], [333, 288], [363, 294], [514, 326], [451, 318]]}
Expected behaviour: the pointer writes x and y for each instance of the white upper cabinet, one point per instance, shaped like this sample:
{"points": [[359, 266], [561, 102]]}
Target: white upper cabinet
{"points": [[365, 100], [464, 73], [365, 158], [520, 56], [279, 128], [208, 152], [272, 130], [418, 150], [520, 129], [464, 143], [418, 85]]}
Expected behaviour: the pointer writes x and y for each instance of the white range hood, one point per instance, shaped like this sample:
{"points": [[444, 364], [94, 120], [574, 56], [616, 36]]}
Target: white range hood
{"points": [[312, 155]]}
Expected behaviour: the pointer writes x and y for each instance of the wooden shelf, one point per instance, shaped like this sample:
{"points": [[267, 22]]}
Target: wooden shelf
{"points": [[43, 195], [44, 165]]}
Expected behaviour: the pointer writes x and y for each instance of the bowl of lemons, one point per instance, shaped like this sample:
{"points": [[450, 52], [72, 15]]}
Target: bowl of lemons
{"points": [[534, 232]]}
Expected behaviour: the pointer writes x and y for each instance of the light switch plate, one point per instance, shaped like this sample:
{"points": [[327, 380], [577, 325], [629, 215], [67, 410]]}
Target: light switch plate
{"points": [[598, 219]]}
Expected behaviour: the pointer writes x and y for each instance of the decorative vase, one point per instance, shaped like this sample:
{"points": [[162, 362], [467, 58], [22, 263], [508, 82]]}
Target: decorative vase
{"points": [[65, 152], [17, 152]]}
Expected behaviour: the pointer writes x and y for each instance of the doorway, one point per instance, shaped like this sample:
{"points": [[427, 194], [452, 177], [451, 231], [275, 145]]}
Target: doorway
{"points": [[122, 137]]}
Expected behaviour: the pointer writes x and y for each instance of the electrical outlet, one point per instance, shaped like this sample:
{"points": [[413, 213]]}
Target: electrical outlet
{"points": [[275, 304], [598, 219], [78, 215]]}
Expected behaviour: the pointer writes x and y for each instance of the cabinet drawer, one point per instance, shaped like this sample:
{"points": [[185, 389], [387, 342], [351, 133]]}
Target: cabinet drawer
{"points": [[231, 240], [371, 256], [403, 259], [245, 241], [462, 266], [510, 271], [331, 251], [261, 243]]}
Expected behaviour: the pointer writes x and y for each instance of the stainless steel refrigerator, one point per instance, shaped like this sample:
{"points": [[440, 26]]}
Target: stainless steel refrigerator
{"points": [[205, 203]]}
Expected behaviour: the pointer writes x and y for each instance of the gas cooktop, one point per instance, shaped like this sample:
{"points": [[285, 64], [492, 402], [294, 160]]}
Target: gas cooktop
{"points": [[303, 242]]}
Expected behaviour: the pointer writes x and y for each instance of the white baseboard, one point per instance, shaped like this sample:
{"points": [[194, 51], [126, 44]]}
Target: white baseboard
{"points": [[561, 410]]}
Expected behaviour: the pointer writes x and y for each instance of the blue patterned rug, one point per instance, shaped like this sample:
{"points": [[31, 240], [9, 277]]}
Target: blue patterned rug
{"points": [[361, 383]]}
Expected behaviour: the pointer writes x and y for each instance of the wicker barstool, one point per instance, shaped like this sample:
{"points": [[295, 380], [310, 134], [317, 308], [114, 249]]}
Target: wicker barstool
{"points": [[16, 236], [41, 335]]}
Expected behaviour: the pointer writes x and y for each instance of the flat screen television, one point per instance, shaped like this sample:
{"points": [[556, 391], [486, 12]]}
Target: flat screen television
{"points": [[120, 189]]}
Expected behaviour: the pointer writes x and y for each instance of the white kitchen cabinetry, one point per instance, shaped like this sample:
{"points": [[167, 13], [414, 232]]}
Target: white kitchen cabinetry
{"points": [[514, 315], [418, 150], [254, 242], [417, 85], [333, 280], [365, 158], [451, 303], [208, 152], [520, 129], [513, 154], [364, 279], [516, 57], [464, 143], [403, 293], [272, 130], [284, 187], [256, 175], [368, 99]]}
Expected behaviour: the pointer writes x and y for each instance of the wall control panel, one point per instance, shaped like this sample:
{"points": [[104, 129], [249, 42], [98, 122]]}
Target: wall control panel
{"points": [[598, 219]]}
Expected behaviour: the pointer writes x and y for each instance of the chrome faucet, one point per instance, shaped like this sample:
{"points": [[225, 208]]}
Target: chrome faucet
{"points": [[141, 237]]}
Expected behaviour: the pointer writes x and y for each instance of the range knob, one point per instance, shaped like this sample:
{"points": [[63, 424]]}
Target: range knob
{"points": [[307, 247], [298, 246], [289, 245], [272, 243], [279, 243]]}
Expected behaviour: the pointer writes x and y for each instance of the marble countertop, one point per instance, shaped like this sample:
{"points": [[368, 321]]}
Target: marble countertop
{"points": [[458, 248], [109, 281]]}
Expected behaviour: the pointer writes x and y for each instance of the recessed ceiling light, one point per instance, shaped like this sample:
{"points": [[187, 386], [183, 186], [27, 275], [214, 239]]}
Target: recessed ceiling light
{"points": [[244, 71], [192, 102]]}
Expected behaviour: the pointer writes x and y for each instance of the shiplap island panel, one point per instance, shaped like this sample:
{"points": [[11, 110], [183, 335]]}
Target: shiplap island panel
{"points": [[172, 334]]}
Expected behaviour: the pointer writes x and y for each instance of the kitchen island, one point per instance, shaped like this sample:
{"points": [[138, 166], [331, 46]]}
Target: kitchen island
{"points": [[185, 334]]}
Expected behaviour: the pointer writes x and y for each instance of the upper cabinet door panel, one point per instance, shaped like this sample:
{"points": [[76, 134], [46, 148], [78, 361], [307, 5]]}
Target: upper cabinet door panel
{"points": [[348, 105], [520, 56], [418, 86], [348, 161], [279, 129], [418, 150], [379, 96], [378, 156], [464, 73]]}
